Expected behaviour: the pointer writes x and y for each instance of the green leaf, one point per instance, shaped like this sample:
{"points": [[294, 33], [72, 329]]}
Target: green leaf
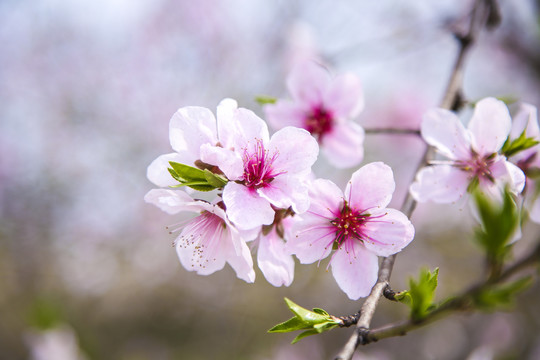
{"points": [[263, 100], [501, 296], [200, 180], [215, 180], [514, 146], [187, 173], [303, 335], [421, 294], [314, 322], [499, 222]]}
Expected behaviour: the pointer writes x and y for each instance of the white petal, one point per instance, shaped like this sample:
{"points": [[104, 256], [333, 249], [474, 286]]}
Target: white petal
{"points": [[245, 208], [439, 183], [370, 187], [241, 263], [490, 126], [250, 129], [517, 177], [442, 129], [203, 255], [356, 271], [157, 170], [228, 161], [173, 201], [189, 128], [275, 263], [226, 126], [344, 145]]}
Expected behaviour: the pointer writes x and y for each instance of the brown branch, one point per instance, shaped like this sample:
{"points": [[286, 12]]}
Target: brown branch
{"points": [[451, 100], [459, 303]]}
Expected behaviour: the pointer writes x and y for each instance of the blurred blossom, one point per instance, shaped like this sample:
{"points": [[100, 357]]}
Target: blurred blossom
{"points": [[59, 343], [325, 107]]}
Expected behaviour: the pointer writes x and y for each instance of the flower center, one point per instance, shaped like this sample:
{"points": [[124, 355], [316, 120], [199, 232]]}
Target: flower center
{"points": [[349, 224], [258, 170], [319, 122], [478, 167]]}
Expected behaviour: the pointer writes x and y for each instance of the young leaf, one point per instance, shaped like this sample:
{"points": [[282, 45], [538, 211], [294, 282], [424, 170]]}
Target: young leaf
{"points": [[314, 322], [263, 100], [188, 173], [512, 147], [215, 180], [501, 296], [421, 293], [200, 180], [499, 221]]}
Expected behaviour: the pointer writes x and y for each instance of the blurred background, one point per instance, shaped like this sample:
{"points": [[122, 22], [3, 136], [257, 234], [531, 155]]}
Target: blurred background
{"points": [[87, 89]]}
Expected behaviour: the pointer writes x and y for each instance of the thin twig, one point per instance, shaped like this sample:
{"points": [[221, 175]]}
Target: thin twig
{"points": [[451, 100], [458, 303], [392, 131]]}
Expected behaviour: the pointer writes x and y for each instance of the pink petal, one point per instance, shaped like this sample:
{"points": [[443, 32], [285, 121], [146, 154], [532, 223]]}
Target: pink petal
{"points": [[307, 83], [370, 187], [344, 97], [490, 126], [389, 234], [189, 128], [344, 145], [172, 201], [285, 191], [204, 261], [326, 199], [285, 113], [246, 209], [250, 128], [228, 161], [525, 119], [439, 183], [275, 263], [226, 126], [241, 263], [442, 129], [157, 170], [355, 272], [297, 150], [311, 242]]}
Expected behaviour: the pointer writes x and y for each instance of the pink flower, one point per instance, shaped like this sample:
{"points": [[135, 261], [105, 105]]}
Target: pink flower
{"points": [[357, 225], [209, 240], [276, 264], [324, 107], [264, 173], [473, 154], [528, 160], [189, 128]]}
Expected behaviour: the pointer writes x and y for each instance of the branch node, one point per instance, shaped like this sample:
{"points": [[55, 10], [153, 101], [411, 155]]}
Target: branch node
{"points": [[389, 293], [349, 320], [363, 336]]}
